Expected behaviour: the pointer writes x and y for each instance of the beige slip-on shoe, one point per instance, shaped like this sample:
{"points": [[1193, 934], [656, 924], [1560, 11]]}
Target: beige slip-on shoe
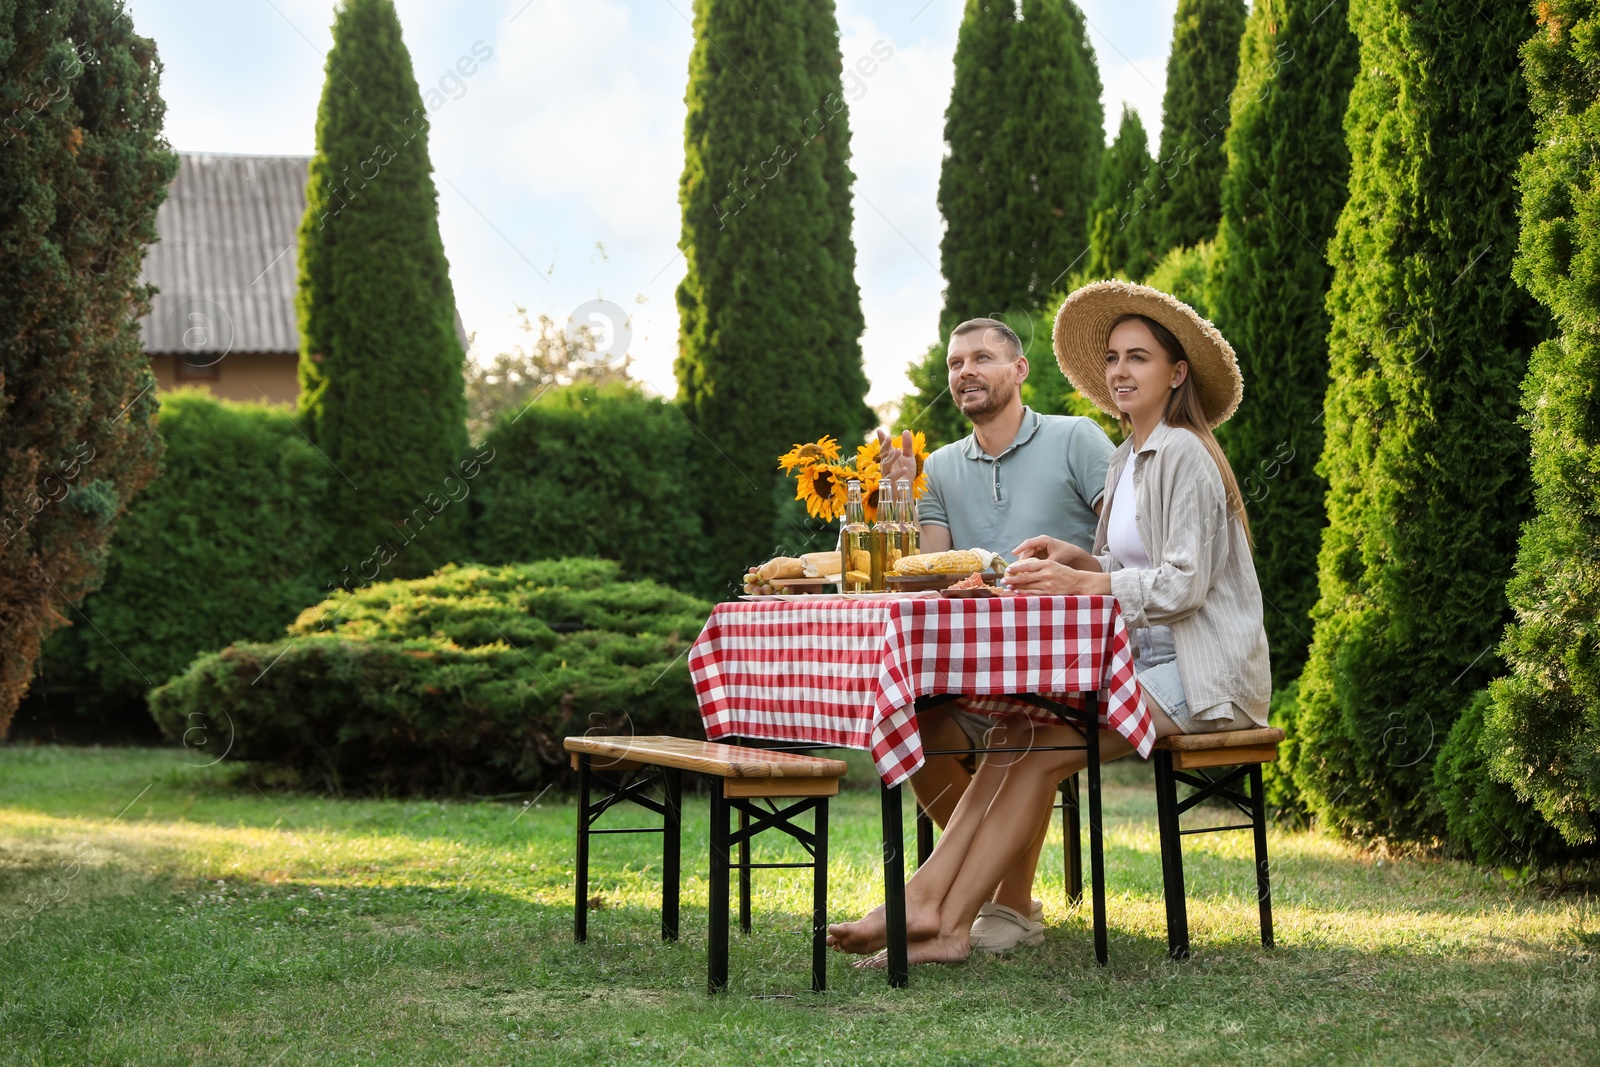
{"points": [[1000, 929]]}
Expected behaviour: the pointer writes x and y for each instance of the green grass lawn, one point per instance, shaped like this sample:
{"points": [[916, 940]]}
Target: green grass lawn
{"points": [[156, 912]]}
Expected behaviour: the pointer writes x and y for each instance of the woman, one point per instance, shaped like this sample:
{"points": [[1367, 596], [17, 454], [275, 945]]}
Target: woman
{"points": [[1173, 546]]}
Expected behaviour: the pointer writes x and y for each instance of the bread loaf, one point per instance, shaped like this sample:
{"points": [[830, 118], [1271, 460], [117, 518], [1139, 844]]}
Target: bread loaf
{"points": [[781, 567], [821, 565]]}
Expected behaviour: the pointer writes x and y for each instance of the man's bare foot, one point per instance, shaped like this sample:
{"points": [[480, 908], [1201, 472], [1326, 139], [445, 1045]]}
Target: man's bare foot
{"points": [[949, 948]]}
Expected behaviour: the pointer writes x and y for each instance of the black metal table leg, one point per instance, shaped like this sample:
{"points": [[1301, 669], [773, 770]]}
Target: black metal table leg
{"points": [[894, 886], [819, 898], [717, 909], [1258, 815], [744, 872], [671, 851], [1072, 839], [1097, 859], [580, 874]]}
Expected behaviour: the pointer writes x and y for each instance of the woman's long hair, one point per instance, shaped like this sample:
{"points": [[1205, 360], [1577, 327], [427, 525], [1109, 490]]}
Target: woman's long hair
{"points": [[1184, 409]]}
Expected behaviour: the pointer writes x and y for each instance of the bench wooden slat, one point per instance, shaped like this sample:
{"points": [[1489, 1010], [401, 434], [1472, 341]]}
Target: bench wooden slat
{"points": [[1194, 759], [780, 787], [706, 757], [1269, 735]]}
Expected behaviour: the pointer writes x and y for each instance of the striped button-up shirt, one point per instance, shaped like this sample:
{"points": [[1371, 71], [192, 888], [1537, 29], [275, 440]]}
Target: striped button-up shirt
{"points": [[1203, 583]]}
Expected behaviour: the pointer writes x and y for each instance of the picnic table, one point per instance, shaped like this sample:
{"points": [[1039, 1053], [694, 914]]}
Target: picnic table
{"points": [[852, 672]]}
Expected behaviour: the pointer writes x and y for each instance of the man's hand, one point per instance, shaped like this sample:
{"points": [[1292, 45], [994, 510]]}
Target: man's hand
{"points": [[1046, 577], [895, 457], [1056, 550]]}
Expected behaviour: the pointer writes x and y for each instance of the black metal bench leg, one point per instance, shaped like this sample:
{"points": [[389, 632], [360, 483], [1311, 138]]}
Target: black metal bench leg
{"points": [[1097, 858], [671, 851], [717, 980], [1258, 815], [894, 886], [744, 872], [1171, 857], [580, 874], [1072, 840], [819, 899], [924, 836]]}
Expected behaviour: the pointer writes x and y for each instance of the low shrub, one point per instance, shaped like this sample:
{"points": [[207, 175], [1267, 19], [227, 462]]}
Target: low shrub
{"points": [[464, 681]]}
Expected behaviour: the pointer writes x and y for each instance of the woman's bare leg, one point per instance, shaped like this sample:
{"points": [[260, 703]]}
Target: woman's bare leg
{"points": [[990, 829], [932, 880]]}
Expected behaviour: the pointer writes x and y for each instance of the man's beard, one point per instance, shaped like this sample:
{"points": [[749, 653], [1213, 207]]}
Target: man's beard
{"points": [[981, 406]]}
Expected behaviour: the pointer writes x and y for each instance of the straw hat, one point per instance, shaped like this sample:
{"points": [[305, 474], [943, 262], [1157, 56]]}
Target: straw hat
{"points": [[1084, 323]]}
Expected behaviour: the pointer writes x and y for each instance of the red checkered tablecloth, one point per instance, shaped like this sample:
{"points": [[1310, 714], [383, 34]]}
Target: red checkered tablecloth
{"points": [[831, 671]]}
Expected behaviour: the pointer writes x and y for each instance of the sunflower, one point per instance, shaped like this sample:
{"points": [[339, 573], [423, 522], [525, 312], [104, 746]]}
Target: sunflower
{"points": [[919, 447], [822, 487], [825, 450]]}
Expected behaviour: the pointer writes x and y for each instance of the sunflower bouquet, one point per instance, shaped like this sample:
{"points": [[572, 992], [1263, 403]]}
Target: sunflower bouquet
{"points": [[823, 476]]}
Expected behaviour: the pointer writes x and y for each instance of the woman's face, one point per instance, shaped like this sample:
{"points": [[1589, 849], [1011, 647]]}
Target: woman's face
{"points": [[1138, 371]]}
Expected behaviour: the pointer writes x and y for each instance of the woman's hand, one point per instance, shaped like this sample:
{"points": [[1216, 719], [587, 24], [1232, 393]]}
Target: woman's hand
{"points": [[1053, 548], [1046, 577]]}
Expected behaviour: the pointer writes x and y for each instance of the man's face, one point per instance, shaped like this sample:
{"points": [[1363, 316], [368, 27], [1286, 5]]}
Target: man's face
{"points": [[984, 374]]}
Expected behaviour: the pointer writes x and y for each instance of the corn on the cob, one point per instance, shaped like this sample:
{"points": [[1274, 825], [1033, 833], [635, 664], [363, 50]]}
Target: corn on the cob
{"points": [[959, 561]]}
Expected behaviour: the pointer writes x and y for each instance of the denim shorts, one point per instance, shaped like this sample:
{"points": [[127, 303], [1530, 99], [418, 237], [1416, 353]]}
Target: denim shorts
{"points": [[1156, 665]]}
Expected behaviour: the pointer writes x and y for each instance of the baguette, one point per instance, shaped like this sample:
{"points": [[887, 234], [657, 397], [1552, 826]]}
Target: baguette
{"points": [[821, 565], [781, 567]]}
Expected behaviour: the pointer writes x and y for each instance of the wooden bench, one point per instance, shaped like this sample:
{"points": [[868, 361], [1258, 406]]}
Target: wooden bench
{"points": [[1192, 759], [632, 766]]}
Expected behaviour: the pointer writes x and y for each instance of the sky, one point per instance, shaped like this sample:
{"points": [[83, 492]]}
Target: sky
{"points": [[557, 160]]}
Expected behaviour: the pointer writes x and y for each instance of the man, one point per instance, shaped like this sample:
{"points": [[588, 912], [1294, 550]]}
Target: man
{"points": [[1017, 475]]}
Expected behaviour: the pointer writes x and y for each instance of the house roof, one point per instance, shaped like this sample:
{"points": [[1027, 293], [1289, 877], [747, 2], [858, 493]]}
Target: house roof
{"points": [[225, 260], [225, 263]]}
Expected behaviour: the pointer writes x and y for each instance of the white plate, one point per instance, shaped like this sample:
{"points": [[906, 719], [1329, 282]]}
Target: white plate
{"points": [[789, 596]]}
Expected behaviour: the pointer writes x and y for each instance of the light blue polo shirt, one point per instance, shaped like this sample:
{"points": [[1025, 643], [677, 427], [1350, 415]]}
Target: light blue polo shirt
{"points": [[1047, 482]]}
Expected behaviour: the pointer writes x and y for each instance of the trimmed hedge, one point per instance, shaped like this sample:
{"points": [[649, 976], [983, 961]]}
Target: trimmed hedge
{"points": [[594, 471], [464, 681], [227, 545]]}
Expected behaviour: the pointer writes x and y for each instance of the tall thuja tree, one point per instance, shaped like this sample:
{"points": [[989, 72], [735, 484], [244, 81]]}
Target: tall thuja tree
{"points": [[1185, 188], [978, 244], [768, 262], [380, 362], [1542, 730], [1055, 135], [1427, 468], [1118, 224], [1287, 178], [83, 169]]}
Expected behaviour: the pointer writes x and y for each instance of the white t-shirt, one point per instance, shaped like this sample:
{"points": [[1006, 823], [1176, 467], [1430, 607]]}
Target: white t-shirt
{"points": [[1122, 536]]}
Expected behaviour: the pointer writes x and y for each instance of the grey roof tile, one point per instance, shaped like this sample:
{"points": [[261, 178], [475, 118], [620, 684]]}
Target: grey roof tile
{"points": [[225, 263]]}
